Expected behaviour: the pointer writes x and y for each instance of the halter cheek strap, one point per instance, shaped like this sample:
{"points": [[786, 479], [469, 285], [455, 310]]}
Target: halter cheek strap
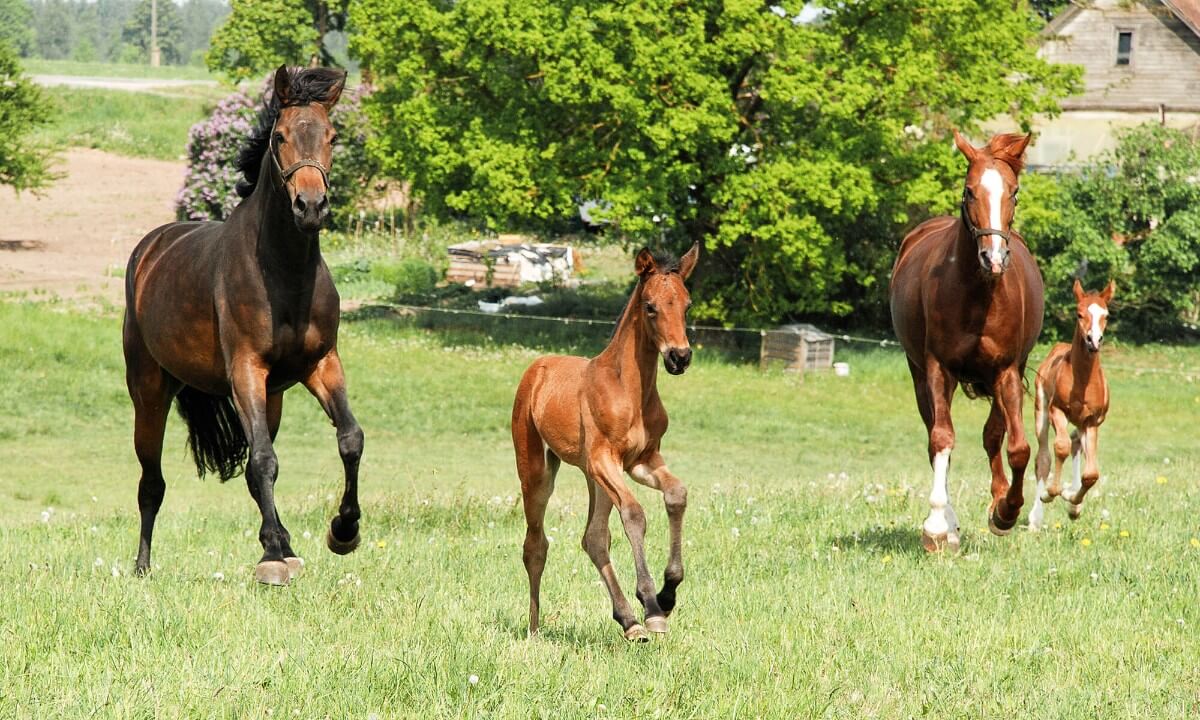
{"points": [[286, 174], [978, 232]]}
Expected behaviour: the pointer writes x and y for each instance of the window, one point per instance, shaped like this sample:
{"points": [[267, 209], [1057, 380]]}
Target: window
{"points": [[1124, 46]]}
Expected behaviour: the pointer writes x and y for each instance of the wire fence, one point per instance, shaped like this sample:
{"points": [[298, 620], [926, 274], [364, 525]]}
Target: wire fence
{"points": [[742, 342]]}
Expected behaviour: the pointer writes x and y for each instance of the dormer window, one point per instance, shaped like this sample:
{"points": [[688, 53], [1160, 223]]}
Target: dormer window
{"points": [[1124, 46]]}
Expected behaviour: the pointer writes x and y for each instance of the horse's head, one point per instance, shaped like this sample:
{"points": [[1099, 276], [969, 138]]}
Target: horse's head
{"points": [[1091, 314], [664, 304], [990, 195], [301, 142]]}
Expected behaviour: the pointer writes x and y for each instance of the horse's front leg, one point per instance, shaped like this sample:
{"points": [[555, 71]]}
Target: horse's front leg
{"points": [[327, 383], [940, 530], [248, 376], [654, 473], [1007, 498], [1089, 438]]}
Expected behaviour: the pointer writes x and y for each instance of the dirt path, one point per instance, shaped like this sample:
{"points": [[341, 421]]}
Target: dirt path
{"points": [[73, 241]]}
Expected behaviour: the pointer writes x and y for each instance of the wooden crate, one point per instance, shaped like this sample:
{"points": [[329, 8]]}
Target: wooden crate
{"points": [[799, 347]]}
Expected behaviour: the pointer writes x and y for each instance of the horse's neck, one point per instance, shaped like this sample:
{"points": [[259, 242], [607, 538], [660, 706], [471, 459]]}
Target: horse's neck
{"points": [[630, 353], [281, 248]]}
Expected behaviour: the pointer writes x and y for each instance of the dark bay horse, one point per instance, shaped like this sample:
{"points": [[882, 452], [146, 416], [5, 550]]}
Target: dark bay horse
{"points": [[967, 301], [225, 316], [1072, 390], [604, 416]]}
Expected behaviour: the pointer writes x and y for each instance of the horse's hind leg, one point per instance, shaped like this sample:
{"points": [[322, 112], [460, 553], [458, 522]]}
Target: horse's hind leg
{"points": [[1041, 423], [328, 386], [536, 471], [151, 390], [596, 541]]}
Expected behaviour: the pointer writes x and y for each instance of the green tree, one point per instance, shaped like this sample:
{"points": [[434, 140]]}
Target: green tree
{"points": [[170, 30], [260, 35], [1132, 215], [16, 26], [798, 151], [24, 165]]}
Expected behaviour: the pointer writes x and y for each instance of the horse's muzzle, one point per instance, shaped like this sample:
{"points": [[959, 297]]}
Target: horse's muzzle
{"points": [[1092, 343], [676, 360], [310, 210], [995, 262]]}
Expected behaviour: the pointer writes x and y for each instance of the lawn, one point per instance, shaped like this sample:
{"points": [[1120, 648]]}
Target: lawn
{"points": [[139, 124], [38, 66], [807, 594]]}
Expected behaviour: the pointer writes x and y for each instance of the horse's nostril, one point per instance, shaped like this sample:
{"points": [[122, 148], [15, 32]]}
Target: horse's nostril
{"points": [[299, 205]]}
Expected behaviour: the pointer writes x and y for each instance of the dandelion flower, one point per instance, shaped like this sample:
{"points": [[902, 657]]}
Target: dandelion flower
{"points": [[1104, 526], [381, 544], [1124, 533], [1195, 543], [1085, 542], [1161, 479], [1058, 526], [886, 559]]}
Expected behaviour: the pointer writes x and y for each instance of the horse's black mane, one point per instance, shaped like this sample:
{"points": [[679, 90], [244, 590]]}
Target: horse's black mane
{"points": [[307, 85], [665, 262]]}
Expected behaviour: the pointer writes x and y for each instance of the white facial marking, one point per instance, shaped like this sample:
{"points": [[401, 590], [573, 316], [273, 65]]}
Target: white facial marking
{"points": [[941, 518], [993, 183], [1096, 312]]}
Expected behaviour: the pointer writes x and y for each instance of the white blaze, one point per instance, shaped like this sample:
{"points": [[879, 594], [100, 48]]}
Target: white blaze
{"points": [[993, 183], [1096, 312]]}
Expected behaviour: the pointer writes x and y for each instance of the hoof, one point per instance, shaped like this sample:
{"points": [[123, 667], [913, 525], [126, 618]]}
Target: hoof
{"points": [[1046, 498], [997, 530], [342, 547], [295, 566], [940, 542], [637, 633], [272, 572], [657, 625], [1074, 511]]}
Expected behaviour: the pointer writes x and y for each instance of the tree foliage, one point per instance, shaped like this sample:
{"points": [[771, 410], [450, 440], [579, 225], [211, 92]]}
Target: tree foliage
{"points": [[1133, 215], [260, 35], [24, 165], [170, 30], [798, 151], [16, 26]]}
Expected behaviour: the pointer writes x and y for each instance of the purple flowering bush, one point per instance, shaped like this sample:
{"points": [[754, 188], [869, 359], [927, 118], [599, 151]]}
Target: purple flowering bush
{"points": [[209, 187]]}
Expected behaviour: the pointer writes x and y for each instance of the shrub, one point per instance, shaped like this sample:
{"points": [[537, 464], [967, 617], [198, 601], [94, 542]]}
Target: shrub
{"points": [[208, 191], [414, 279]]}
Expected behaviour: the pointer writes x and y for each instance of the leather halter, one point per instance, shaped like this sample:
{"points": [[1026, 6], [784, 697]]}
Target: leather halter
{"points": [[978, 232], [286, 174]]}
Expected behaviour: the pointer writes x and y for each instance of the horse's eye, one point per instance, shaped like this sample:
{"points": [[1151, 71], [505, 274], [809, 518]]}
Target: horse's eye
{"points": [[651, 310], [1014, 196], [279, 138], [333, 140]]}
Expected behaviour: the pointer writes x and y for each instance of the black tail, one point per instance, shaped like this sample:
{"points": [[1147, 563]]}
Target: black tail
{"points": [[215, 434]]}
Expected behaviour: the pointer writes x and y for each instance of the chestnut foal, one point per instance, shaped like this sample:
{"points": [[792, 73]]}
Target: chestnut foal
{"points": [[604, 416], [1071, 388]]}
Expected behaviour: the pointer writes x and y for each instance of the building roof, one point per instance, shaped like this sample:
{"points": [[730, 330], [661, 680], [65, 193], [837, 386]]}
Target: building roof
{"points": [[1188, 12]]}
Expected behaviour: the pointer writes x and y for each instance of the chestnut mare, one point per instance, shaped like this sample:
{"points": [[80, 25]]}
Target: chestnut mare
{"points": [[1071, 388], [604, 417], [967, 302], [225, 316]]}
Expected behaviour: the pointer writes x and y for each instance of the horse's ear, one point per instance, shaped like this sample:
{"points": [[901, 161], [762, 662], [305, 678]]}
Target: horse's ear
{"points": [[1010, 148], [283, 83], [335, 92], [964, 146], [644, 265], [687, 263], [1108, 291], [1078, 288]]}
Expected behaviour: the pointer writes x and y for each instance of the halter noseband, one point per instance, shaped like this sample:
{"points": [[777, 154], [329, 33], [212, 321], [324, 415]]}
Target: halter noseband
{"points": [[978, 232], [291, 170]]}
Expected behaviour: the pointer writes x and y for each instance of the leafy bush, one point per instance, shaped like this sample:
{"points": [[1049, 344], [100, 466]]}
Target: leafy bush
{"points": [[1132, 216], [414, 279], [208, 191]]}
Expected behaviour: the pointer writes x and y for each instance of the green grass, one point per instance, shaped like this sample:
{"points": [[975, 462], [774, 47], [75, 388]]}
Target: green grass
{"points": [[807, 594], [127, 123], [36, 66]]}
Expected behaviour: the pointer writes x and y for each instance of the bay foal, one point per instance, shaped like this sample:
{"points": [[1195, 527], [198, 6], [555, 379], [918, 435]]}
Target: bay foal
{"points": [[223, 317], [967, 301], [1071, 389], [604, 416]]}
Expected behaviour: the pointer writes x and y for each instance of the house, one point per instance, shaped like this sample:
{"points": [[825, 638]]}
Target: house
{"points": [[1141, 63]]}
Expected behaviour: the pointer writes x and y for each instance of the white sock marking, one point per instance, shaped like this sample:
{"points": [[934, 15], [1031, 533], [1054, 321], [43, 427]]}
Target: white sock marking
{"points": [[941, 520]]}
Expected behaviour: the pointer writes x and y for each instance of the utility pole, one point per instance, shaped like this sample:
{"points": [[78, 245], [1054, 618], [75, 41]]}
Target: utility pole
{"points": [[155, 59]]}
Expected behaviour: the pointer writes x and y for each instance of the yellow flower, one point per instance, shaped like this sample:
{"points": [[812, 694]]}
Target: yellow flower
{"points": [[1161, 479], [1195, 543], [1124, 533], [1085, 542], [1104, 526], [886, 558], [1058, 526], [381, 544]]}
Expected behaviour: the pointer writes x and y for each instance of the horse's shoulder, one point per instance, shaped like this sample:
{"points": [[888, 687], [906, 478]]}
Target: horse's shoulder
{"points": [[918, 236]]}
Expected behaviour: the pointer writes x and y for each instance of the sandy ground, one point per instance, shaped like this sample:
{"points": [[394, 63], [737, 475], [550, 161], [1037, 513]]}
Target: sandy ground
{"points": [[74, 240]]}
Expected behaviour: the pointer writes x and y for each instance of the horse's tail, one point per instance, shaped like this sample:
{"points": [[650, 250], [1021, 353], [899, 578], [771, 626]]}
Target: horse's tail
{"points": [[215, 434]]}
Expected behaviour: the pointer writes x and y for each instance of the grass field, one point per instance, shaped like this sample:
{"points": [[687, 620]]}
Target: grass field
{"points": [[807, 594], [38, 66], [128, 123]]}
